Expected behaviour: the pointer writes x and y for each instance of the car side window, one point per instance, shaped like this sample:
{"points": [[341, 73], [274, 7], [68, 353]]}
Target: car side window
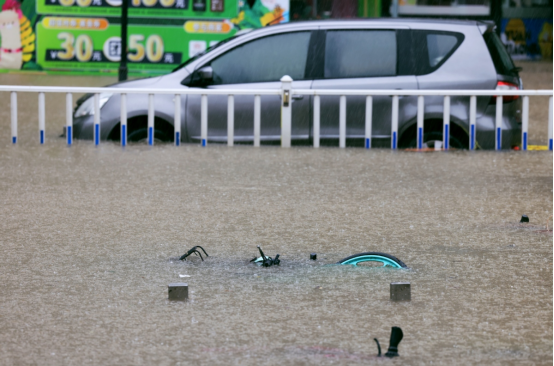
{"points": [[360, 53], [438, 46], [432, 49], [264, 59]]}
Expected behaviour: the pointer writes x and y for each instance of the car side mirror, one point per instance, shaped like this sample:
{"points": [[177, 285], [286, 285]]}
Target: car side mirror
{"points": [[206, 74], [199, 78]]}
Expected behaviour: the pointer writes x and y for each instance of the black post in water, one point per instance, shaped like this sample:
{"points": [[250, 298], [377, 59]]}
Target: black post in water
{"points": [[123, 61]]}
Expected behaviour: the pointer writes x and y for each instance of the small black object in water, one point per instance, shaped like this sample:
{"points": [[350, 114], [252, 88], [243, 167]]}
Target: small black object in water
{"points": [[395, 338], [524, 218], [265, 260], [195, 251], [378, 347], [313, 256]]}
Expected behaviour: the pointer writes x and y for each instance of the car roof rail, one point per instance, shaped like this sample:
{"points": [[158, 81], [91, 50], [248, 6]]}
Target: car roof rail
{"points": [[486, 26]]}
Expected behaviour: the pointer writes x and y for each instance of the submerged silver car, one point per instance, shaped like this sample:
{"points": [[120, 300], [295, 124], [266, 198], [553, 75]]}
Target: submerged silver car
{"points": [[353, 54]]}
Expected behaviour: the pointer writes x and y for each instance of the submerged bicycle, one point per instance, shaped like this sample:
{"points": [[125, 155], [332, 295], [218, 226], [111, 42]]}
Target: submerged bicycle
{"points": [[387, 259]]}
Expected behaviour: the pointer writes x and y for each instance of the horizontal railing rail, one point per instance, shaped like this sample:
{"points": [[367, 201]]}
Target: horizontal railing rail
{"points": [[286, 92], [94, 90], [417, 92], [194, 91]]}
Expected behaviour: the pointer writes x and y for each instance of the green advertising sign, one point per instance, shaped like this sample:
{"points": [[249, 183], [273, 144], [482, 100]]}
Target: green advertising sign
{"points": [[197, 9], [83, 36], [95, 44]]}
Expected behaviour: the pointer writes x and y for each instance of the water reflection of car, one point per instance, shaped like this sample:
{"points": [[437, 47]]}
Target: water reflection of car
{"points": [[361, 54]]}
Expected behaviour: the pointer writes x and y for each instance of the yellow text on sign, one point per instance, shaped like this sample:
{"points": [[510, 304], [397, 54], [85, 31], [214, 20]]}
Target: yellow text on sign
{"points": [[154, 48], [81, 47], [195, 26], [75, 23]]}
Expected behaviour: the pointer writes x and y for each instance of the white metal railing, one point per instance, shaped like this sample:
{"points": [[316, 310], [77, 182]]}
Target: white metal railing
{"points": [[286, 93]]}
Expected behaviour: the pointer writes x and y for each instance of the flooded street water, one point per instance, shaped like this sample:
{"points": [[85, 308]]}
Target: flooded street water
{"points": [[90, 239]]}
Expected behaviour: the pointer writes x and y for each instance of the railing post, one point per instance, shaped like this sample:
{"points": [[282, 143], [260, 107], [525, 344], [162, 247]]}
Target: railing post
{"points": [[472, 118], [204, 120], [177, 120], [446, 123], [13, 105], [69, 118], [123, 119], [394, 122], [342, 122], [524, 122], [257, 122], [368, 120], [230, 120], [41, 118], [498, 124], [150, 119], [286, 113], [420, 113], [317, 120], [96, 119], [550, 125]]}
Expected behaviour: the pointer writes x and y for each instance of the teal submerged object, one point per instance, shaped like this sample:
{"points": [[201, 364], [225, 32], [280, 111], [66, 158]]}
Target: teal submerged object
{"points": [[387, 259]]}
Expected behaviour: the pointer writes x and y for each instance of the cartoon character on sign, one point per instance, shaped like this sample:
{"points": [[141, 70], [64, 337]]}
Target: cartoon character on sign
{"points": [[253, 14], [515, 38], [22, 29], [545, 41], [11, 53]]}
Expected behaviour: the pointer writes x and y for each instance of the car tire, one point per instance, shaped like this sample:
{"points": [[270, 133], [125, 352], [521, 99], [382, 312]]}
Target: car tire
{"points": [[430, 137], [141, 135]]}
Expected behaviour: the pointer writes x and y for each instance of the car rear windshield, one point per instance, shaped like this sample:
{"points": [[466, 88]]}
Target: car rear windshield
{"points": [[502, 61]]}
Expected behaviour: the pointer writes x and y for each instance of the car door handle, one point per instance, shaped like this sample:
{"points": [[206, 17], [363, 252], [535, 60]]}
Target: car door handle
{"points": [[297, 97]]}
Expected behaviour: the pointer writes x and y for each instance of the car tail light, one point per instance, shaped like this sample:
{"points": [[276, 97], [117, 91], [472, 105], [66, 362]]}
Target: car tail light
{"points": [[504, 85]]}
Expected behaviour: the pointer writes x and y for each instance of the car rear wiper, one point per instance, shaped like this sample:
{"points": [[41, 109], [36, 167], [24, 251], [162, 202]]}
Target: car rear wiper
{"points": [[516, 69]]}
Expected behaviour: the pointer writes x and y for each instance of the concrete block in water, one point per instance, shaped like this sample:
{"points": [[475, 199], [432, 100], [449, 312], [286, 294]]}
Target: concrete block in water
{"points": [[178, 291], [400, 291]]}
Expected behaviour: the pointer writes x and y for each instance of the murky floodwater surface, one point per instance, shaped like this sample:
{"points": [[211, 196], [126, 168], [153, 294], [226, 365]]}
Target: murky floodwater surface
{"points": [[90, 239]]}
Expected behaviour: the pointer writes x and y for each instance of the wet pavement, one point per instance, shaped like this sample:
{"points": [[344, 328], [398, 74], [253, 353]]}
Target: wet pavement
{"points": [[90, 239]]}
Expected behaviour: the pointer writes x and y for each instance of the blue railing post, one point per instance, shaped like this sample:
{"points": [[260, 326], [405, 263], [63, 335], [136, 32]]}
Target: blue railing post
{"points": [[394, 122], [150, 119], [368, 120], [69, 118], [498, 124], [41, 117], [96, 119], [177, 119], [13, 105], [420, 116], [472, 121], [204, 119], [446, 123], [550, 125]]}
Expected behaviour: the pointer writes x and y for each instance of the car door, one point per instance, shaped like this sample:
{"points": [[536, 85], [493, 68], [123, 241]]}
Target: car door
{"points": [[256, 64], [362, 59]]}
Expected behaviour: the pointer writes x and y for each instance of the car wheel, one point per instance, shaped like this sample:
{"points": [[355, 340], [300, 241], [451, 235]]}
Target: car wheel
{"points": [[432, 137], [141, 135]]}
